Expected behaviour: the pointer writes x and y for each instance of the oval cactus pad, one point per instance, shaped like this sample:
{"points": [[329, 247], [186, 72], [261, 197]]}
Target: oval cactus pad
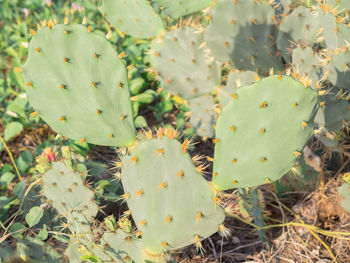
{"points": [[170, 201], [262, 131], [134, 17], [78, 85]]}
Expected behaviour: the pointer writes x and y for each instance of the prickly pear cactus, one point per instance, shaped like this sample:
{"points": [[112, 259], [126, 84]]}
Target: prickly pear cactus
{"points": [[334, 113], [78, 85], [203, 116], [261, 132], [334, 29], [340, 5], [243, 33], [301, 178], [34, 250], [182, 64], [66, 190], [251, 206], [307, 64], [299, 28], [235, 80], [337, 70], [179, 8], [134, 17], [165, 205], [344, 192]]}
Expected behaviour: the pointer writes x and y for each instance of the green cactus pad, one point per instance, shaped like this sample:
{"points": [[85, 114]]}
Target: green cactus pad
{"points": [[340, 5], [334, 114], [123, 245], [302, 178], [67, 192], [78, 85], [235, 80], [203, 116], [262, 131], [179, 8], [134, 17], [344, 192], [338, 71], [183, 65], [243, 33], [298, 28], [336, 35], [171, 203], [307, 64], [35, 250]]}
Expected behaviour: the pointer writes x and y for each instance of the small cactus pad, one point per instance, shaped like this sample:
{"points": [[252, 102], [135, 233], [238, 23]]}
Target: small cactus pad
{"points": [[344, 192], [298, 28], [123, 246], [336, 33], [66, 190], [235, 80], [243, 33], [35, 250], [340, 5], [78, 85], [134, 17], [307, 64], [203, 116], [301, 178], [262, 131], [171, 203], [338, 71], [183, 65], [334, 112], [179, 8]]}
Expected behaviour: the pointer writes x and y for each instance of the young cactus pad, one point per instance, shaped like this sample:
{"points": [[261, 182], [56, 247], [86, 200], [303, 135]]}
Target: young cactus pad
{"points": [[235, 80], [134, 17], [170, 201], [243, 33], [183, 65], [298, 27], [178, 8], [262, 131], [78, 85], [67, 192], [203, 116]]}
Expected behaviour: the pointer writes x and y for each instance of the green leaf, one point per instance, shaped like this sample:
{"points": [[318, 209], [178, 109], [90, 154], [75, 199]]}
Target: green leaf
{"points": [[61, 238], [12, 129], [18, 228], [34, 216], [6, 178], [43, 233]]}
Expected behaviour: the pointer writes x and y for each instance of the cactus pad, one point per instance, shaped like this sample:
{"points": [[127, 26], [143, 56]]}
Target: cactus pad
{"points": [[203, 116], [78, 85], [235, 80], [344, 192], [334, 113], [307, 64], [338, 72], [183, 65], [159, 178], [298, 28], [67, 192], [262, 131], [179, 8], [243, 33], [123, 246], [134, 17]]}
